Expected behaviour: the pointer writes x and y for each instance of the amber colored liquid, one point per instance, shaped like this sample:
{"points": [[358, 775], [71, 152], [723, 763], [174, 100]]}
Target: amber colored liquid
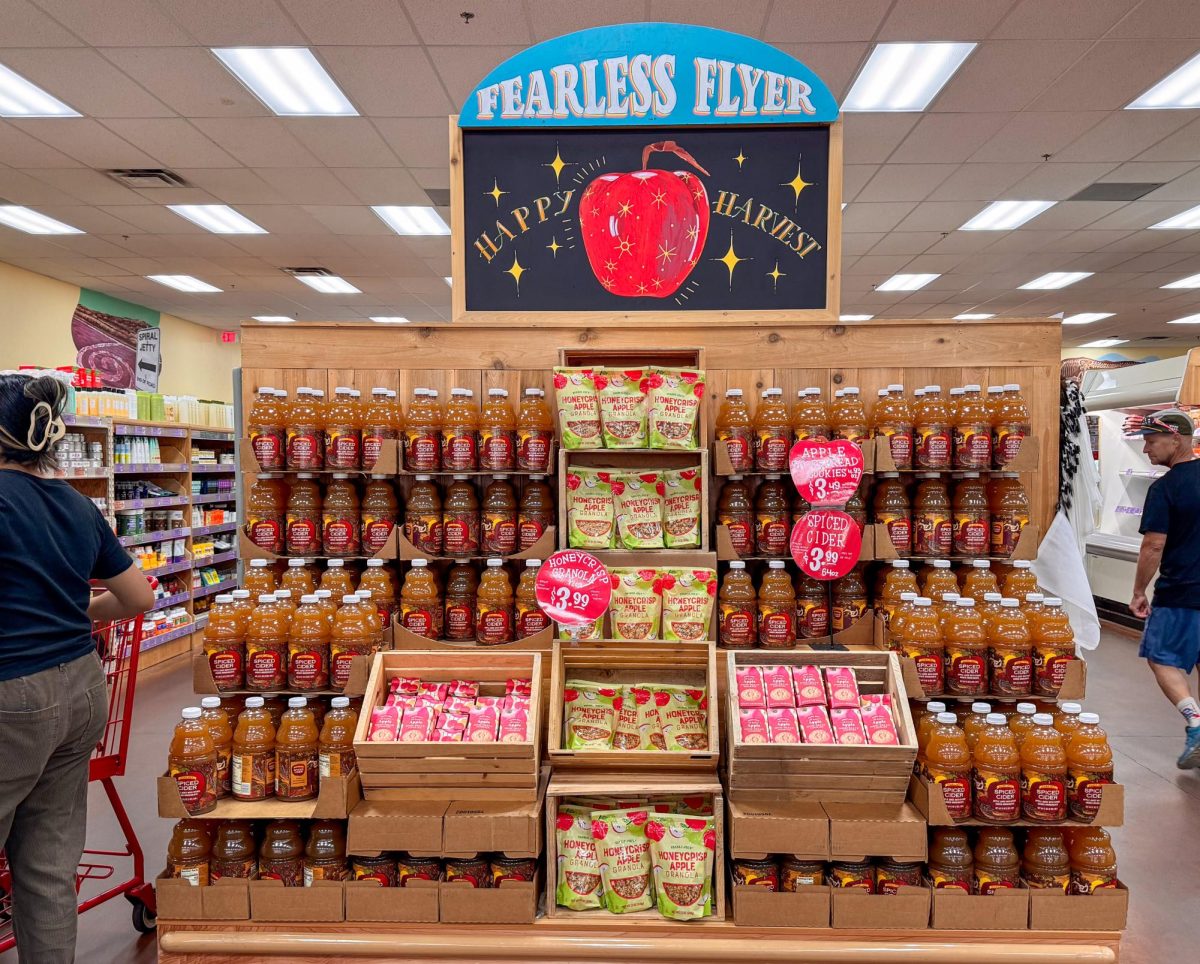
{"points": [[933, 432], [938, 582], [306, 434], [895, 582], [978, 582], [848, 420], [735, 428], [891, 507], [1019, 583], [529, 616], [304, 518], [265, 515], [423, 521], [997, 775], [997, 863], [192, 760], [342, 518], [1010, 654], [812, 608], [947, 762], [281, 856], [189, 852], [933, 526], [265, 429], [336, 747], [776, 610], [355, 630], [234, 852], [972, 520], [1045, 863], [1089, 766], [460, 434], [339, 580], [810, 419], [966, 652], [498, 528], [1043, 775], [919, 638], [735, 511], [259, 581], [380, 513], [494, 608], [221, 731], [951, 863], [343, 433], [1053, 649], [1093, 860], [535, 433], [1009, 507], [772, 519], [266, 648], [296, 764], [225, 647], [421, 604], [423, 435], [497, 435], [972, 726], [254, 755], [383, 593], [773, 435], [535, 514], [308, 649], [737, 603], [892, 420], [299, 579], [461, 514], [972, 433], [849, 600], [382, 422], [1010, 426], [462, 582]]}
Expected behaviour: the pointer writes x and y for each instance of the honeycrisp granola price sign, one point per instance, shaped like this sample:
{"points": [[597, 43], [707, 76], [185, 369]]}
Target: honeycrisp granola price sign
{"points": [[826, 473], [826, 543], [573, 587]]}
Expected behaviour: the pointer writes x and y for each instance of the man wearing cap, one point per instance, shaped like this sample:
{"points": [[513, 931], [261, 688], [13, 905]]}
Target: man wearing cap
{"points": [[1171, 547]]}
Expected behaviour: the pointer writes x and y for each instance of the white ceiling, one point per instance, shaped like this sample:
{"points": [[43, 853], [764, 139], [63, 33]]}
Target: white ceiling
{"points": [[1049, 78]]}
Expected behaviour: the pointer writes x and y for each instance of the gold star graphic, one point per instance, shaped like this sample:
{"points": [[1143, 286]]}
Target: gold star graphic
{"points": [[516, 271], [625, 246], [692, 232], [626, 208], [797, 183], [557, 164], [657, 282], [776, 275], [495, 193], [660, 199], [731, 260], [607, 282], [641, 288], [741, 158], [595, 211], [610, 266], [665, 253], [554, 246]]}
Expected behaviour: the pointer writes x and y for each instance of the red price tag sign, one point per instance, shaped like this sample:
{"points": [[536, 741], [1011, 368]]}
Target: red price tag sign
{"points": [[826, 543], [826, 473], [573, 587]]}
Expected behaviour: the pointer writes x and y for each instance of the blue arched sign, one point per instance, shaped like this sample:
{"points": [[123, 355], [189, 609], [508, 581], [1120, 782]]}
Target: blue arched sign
{"points": [[649, 75]]}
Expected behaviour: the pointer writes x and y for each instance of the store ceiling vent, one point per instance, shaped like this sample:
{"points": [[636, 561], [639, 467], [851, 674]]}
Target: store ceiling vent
{"points": [[1115, 191], [322, 272], [439, 197], [144, 178]]}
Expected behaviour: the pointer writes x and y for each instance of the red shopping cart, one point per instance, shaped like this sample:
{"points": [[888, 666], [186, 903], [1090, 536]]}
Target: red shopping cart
{"points": [[118, 645]]}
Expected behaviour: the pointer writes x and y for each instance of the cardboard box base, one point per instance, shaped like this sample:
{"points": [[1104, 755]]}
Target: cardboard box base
{"points": [[204, 684], [416, 903], [324, 901], [337, 798], [759, 907], [853, 908], [1006, 909], [228, 899], [1104, 910], [758, 827], [927, 798], [516, 902]]}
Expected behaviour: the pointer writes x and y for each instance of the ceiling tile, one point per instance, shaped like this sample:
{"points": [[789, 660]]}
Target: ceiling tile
{"points": [[1028, 135], [235, 23], [870, 138], [172, 141], [382, 81], [97, 220], [87, 141], [938, 215], [258, 141], [148, 219], [855, 177], [552, 18], [418, 141], [947, 137], [905, 182], [86, 81], [980, 182], [429, 177], [234, 185], [1160, 19], [801, 21], [834, 63], [874, 217], [382, 185], [462, 67], [1137, 215], [307, 185], [27, 26], [1051, 181], [906, 242], [189, 80], [1111, 74], [938, 20], [355, 219], [1123, 134], [343, 141], [1069, 19], [1183, 145], [112, 22], [19, 188], [90, 187], [18, 149], [356, 22], [1006, 75], [745, 17], [497, 22], [1149, 172], [1076, 214]]}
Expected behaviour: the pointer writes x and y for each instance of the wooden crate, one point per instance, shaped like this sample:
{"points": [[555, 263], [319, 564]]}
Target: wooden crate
{"points": [[451, 771], [804, 771], [650, 784], [689, 664]]}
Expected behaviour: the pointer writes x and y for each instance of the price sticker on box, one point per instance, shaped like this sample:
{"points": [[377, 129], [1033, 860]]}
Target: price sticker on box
{"points": [[573, 587], [826, 543], [826, 473]]}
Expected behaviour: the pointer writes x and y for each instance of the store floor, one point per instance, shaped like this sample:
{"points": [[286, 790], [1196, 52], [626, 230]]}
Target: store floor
{"points": [[1156, 847]]}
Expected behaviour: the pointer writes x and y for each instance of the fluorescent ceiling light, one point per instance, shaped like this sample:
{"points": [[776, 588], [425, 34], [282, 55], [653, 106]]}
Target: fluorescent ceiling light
{"points": [[274, 319], [328, 284], [24, 219], [1184, 221], [1191, 281], [906, 282], [289, 80], [20, 98], [1104, 343], [1086, 317], [1186, 320], [449, 281], [1006, 215], [182, 282], [904, 76], [1179, 89], [217, 218], [974, 316], [1055, 279], [855, 317], [389, 319], [411, 219]]}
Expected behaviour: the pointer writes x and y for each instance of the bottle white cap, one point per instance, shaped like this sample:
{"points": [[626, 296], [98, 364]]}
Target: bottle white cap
{"points": [[1071, 708], [1090, 719], [1022, 564], [382, 392], [736, 478], [468, 393], [996, 719], [224, 598], [431, 393], [318, 393], [323, 594], [840, 393], [296, 563], [210, 702], [882, 393], [956, 391], [282, 594], [259, 563], [281, 393], [240, 594], [908, 596], [850, 391], [733, 393], [534, 392], [374, 563], [495, 563], [947, 718], [918, 392], [305, 390], [1034, 597], [266, 388], [981, 564], [737, 564], [1026, 709], [1043, 719], [922, 601], [305, 475], [339, 702], [460, 392], [191, 713], [1053, 602], [534, 563], [971, 388], [933, 388], [420, 563], [460, 478], [343, 390], [970, 475], [267, 597], [941, 563], [497, 393], [334, 563], [981, 707], [935, 706], [1009, 603], [341, 475], [423, 478], [348, 599], [895, 388], [889, 475], [254, 702], [363, 594], [812, 390], [308, 599], [420, 392], [963, 603], [1012, 387], [992, 597], [900, 563], [995, 389], [297, 702], [775, 564]]}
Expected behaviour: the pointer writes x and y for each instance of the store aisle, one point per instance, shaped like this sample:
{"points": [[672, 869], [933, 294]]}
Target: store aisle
{"points": [[1162, 807]]}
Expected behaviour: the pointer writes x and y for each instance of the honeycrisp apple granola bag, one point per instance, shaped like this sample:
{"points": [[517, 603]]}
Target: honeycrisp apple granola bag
{"points": [[682, 853], [639, 502], [591, 510], [635, 608], [683, 711], [682, 508], [590, 715], [675, 396], [688, 597], [624, 405], [578, 869], [624, 856], [578, 408]]}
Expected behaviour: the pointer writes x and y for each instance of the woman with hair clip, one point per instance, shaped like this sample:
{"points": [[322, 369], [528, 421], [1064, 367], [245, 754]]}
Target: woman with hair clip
{"points": [[53, 702]]}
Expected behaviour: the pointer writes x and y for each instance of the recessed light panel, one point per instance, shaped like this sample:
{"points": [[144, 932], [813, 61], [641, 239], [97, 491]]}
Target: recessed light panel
{"points": [[411, 219], [217, 218], [289, 80], [31, 222], [904, 76], [1179, 90], [1086, 317], [855, 317], [974, 316], [1184, 221], [20, 98], [1006, 215], [906, 282], [328, 284], [274, 319], [389, 319], [1105, 343], [1186, 320], [1191, 281], [183, 282], [1055, 279]]}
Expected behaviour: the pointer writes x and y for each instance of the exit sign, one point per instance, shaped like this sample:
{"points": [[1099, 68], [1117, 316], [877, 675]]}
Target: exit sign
{"points": [[228, 337]]}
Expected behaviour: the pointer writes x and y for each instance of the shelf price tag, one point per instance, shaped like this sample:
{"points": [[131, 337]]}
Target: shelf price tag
{"points": [[573, 587], [826, 543], [826, 473]]}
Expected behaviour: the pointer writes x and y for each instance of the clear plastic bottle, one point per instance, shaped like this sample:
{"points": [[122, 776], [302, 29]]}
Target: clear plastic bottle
{"points": [[735, 428]]}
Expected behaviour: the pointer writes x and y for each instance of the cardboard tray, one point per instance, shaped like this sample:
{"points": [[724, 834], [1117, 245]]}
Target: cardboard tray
{"points": [[323, 902], [337, 798], [883, 550], [758, 907], [1028, 459], [227, 899], [723, 545], [823, 831], [388, 464], [415, 903], [1004, 909], [248, 550], [927, 798], [853, 908], [1104, 910], [516, 902], [689, 664], [723, 468], [204, 684], [545, 545]]}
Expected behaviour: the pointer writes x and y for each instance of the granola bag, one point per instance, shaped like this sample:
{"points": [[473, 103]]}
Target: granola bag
{"points": [[682, 508], [682, 852], [578, 408], [591, 510], [683, 711], [624, 856], [635, 608], [688, 597], [578, 869], [623, 407], [590, 715], [592, 630], [675, 397], [639, 503]]}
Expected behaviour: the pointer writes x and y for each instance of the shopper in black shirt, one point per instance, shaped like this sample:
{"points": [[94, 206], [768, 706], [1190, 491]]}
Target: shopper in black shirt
{"points": [[53, 700], [1171, 546]]}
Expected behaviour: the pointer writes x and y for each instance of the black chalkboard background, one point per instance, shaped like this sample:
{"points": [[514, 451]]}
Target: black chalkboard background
{"points": [[545, 267]]}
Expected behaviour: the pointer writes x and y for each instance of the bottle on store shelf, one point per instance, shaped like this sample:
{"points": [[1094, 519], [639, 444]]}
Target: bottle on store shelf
{"points": [[530, 619], [461, 514], [898, 578], [810, 417], [423, 432], [772, 432], [303, 521], [989, 609], [378, 580], [776, 608], [240, 609], [494, 606], [365, 601], [460, 432], [335, 756], [535, 432], [951, 863], [979, 580], [337, 578], [772, 518], [925, 724], [1053, 648], [343, 431], [937, 578], [462, 584], [275, 705], [266, 503], [956, 397], [997, 771], [221, 731], [902, 612], [1022, 580], [260, 578], [737, 603], [891, 507], [296, 765], [234, 852], [975, 721], [266, 646], [192, 762], [1010, 652], [420, 602], [849, 600], [735, 511], [946, 761], [1021, 722], [812, 608], [1089, 767], [497, 433], [325, 852], [189, 853], [341, 516], [893, 422], [1010, 425], [285, 599], [735, 428], [382, 423], [281, 856], [498, 518], [1032, 604], [972, 431], [225, 646], [933, 430], [266, 431], [997, 863], [1093, 860], [1066, 719], [856, 505], [306, 431], [1043, 772], [299, 577], [1045, 863], [932, 521], [849, 420], [308, 647], [535, 512], [972, 519], [423, 520], [1008, 504], [800, 507], [327, 605], [966, 650], [919, 637], [944, 604], [380, 511]]}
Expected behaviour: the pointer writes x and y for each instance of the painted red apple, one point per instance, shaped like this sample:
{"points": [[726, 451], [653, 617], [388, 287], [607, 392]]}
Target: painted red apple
{"points": [[638, 817], [661, 698], [644, 230], [599, 829], [565, 822], [655, 830], [710, 840], [696, 824], [570, 695]]}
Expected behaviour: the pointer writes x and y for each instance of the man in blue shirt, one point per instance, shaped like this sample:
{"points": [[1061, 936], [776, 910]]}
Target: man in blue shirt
{"points": [[1171, 546]]}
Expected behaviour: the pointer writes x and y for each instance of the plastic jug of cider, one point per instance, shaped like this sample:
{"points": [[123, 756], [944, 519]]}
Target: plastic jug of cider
{"points": [[498, 529], [891, 507], [893, 422], [735, 512], [341, 517], [378, 580], [326, 603], [902, 612], [1010, 425], [380, 513], [303, 519], [1043, 772], [980, 580], [1066, 719], [343, 431], [337, 578], [306, 431], [772, 518], [812, 607], [735, 428], [1021, 580], [772, 433], [462, 583], [381, 424], [530, 619], [975, 721], [1045, 863], [951, 864], [285, 599], [225, 646], [1089, 767], [325, 852], [972, 431], [221, 731], [945, 604], [460, 432], [266, 513], [234, 851], [423, 432], [1010, 652], [461, 515], [296, 765], [424, 525], [997, 863], [997, 772], [281, 856], [1053, 648], [335, 756], [260, 578], [497, 433], [966, 650], [946, 762], [939, 578], [933, 431], [738, 605], [1021, 722], [494, 606], [1008, 504], [189, 853], [849, 420], [354, 633], [849, 600], [810, 417], [535, 512], [919, 638], [420, 602], [192, 762], [971, 518], [266, 646], [298, 578], [933, 524], [253, 761], [925, 723], [899, 579], [240, 609], [308, 647], [1092, 859], [535, 432], [266, 430], [776, 608]]}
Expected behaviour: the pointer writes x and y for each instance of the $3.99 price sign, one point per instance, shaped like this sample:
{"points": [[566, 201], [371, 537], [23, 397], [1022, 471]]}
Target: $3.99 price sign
{"points": [[826, 473], [573, 587], [826, 543]]}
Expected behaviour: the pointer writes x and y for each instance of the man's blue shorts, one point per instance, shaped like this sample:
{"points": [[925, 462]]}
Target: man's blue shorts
{"points": [[1172, 638]]}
